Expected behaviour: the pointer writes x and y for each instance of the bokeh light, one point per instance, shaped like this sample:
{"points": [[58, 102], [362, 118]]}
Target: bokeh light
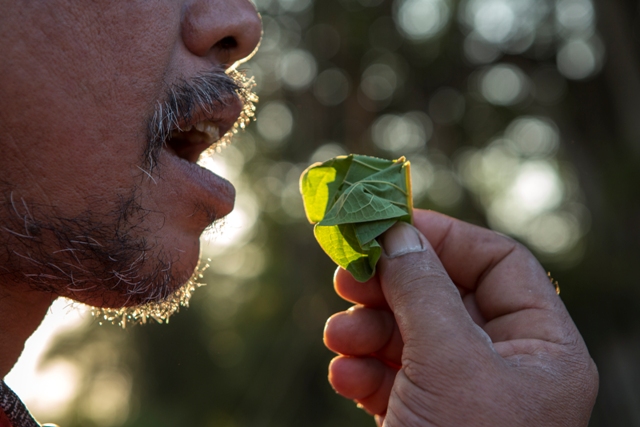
{"points": [[478, 51], [523, 188], [494, 20], [533, 136], [445, 190], [379, 82], [107, 402], [402, 133], [422, 176], [504, 85], [295, 6], [297, 69], [510, 24], [275, 122], [579, 59], [327, 151], [554, 232], [537, 188], [271, 35], [575, 15], [422, 19]]}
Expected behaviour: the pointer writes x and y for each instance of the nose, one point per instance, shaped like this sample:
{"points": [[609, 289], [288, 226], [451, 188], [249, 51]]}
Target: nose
{"points": [[225, 30]]}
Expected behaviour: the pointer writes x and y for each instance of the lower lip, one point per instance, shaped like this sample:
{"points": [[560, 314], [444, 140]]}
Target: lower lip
{"points": [[196, 184]]}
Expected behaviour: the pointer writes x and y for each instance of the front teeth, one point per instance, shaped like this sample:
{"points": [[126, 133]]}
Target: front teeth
{"points": [[209, 128], [211, 131]]}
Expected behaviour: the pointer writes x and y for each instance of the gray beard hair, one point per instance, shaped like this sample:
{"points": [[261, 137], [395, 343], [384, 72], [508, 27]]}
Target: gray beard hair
{"points": [[105, 253], [158, 310], [85, 255]]}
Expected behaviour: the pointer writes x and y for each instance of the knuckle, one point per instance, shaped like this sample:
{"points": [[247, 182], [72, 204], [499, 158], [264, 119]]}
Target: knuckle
{"points": [[449, 366], [414, 271]]}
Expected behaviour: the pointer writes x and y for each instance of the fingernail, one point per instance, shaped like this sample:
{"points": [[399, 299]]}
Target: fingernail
{"points": [[401, 239]]}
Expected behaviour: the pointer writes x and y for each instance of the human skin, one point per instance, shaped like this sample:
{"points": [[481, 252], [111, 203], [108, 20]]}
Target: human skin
{"points": [[78, 81], [78, 84], [460, 327]]}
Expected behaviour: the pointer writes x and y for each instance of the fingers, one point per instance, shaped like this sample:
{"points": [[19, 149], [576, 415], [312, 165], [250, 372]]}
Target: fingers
{"points": [[376, 403], [368, 294], [368, 381], [391, 352], [503, 274], [511, 289], [356, 378], [362, 331], [427, 305]]}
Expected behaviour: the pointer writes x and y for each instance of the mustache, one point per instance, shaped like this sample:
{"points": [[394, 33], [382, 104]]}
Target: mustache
{"points": [[202, 95]]}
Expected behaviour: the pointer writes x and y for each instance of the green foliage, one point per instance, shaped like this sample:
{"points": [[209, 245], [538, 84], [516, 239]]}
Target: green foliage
{"points": [[352, 200]]}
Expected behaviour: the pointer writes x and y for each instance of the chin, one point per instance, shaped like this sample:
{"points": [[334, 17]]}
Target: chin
{"points": [[116, 308], [155, 279]]}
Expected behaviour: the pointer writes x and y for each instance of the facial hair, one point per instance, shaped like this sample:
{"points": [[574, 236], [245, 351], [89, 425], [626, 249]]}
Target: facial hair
{"points": [[106, 254]]}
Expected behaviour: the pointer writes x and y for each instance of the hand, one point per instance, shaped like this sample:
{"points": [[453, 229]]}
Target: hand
{"points": [[459, 328]]}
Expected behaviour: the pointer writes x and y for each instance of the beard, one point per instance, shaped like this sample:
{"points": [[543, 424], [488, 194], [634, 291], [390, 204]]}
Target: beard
{"points": [[105, 257]]}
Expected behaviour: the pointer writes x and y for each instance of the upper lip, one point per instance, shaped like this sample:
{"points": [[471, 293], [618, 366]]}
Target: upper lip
{"points": [[223, 114], [188, 139]]}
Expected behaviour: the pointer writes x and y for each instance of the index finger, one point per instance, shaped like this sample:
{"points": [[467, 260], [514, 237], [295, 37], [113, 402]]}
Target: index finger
{"points": [[505, 277], [368, 293]]}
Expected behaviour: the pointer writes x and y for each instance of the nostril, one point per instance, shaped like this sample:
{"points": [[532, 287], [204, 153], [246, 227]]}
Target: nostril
{"points": [[227, 43], [226, 31]]}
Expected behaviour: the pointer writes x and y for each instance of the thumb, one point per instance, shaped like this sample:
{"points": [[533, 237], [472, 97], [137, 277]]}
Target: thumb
{"points": [[426, 303]]}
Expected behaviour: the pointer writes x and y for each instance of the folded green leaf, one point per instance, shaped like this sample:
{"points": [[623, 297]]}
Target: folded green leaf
{"points": [[367, 231], [319, 184], [353, 200], [341, 244]]}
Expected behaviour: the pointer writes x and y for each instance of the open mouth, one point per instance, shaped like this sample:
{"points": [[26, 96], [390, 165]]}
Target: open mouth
{"points": [[190, 142], [203, 128], [204, 117]]}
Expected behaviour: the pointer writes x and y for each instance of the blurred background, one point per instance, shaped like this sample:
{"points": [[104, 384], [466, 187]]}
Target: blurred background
{"points": [[519, 115]]}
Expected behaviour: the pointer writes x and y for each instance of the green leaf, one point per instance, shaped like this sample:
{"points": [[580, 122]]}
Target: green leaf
{"points": [[359, 204], [364, 166], [367, 231], [381, 195], [341, 244], [319, 185], [353, 200]]}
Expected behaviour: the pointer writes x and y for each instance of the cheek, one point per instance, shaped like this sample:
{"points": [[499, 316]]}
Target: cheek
{"points": [[74, 128], [81, 98]]}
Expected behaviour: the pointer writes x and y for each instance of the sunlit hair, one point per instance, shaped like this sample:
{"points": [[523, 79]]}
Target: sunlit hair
{"points": [[200, 96], [105, 257], [204, 93], [160, 310]]}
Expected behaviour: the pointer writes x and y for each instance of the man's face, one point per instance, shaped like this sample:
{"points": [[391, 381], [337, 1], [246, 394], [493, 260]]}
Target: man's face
{"points": [[94, 203]]}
